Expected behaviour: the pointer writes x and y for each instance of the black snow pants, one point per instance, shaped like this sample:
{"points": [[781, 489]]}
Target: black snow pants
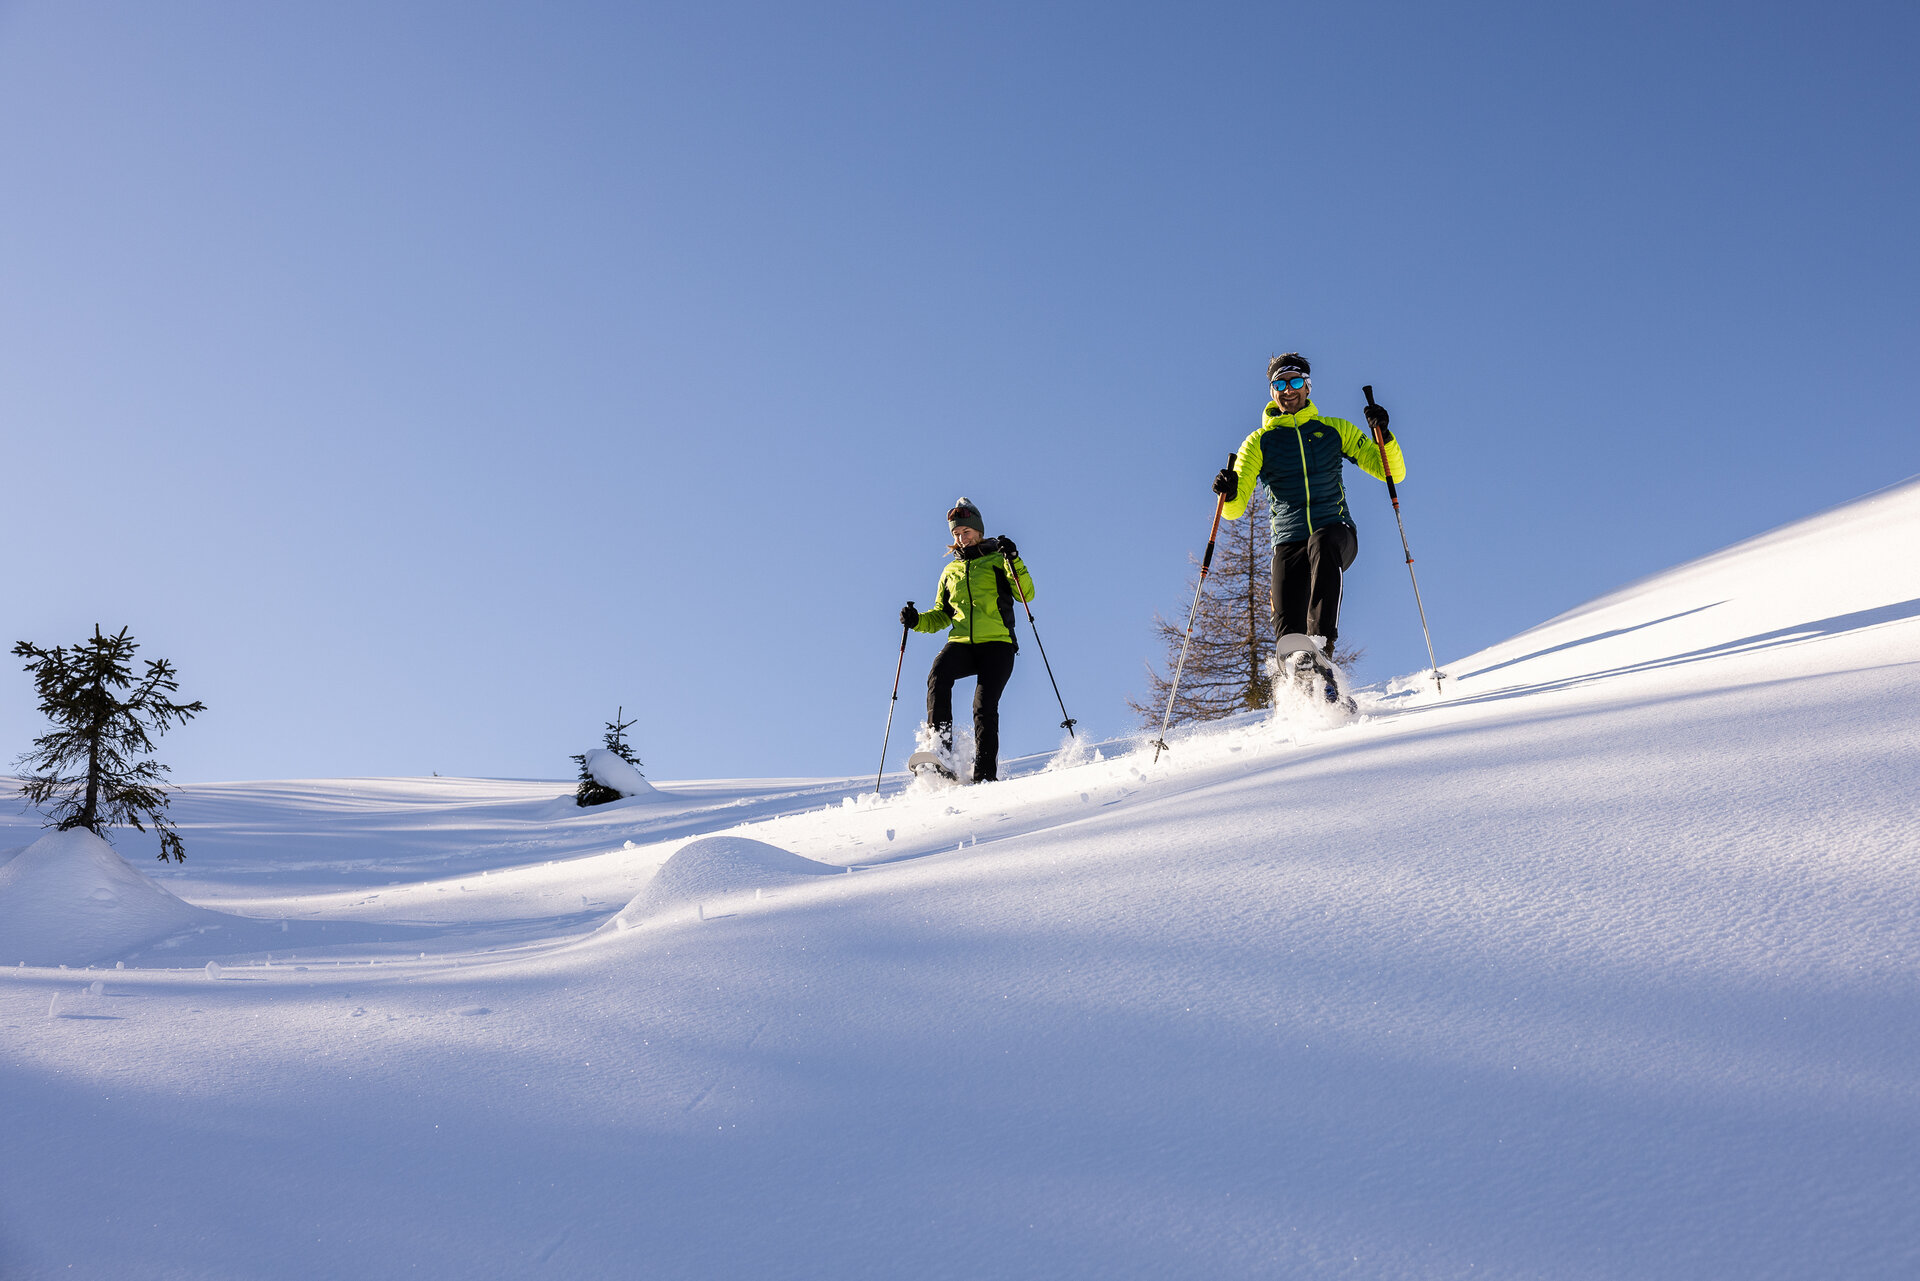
{"points": [[992, 663], [1306, 582]]}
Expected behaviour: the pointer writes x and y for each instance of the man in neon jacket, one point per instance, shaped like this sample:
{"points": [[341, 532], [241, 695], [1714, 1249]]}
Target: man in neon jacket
{"points": [[1297, 453]]}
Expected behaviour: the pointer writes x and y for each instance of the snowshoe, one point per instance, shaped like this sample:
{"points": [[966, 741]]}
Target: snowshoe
{"points": [[929, 765], [1305, 667]]}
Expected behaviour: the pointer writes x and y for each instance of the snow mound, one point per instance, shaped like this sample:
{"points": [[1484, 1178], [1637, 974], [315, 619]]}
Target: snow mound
{"points": [[616, 775], [716, 867], [69, 899]]}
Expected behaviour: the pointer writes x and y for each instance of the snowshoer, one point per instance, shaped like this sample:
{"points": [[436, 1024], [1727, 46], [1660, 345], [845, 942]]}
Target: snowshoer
{"points": [[1297, 454], [973, 604]]}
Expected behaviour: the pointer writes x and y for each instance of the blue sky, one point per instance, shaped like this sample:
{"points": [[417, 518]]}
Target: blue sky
{"points": [[426, 380]]}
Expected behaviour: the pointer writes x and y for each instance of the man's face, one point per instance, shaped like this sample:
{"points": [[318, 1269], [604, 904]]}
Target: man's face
{"points": [[1289, 397], [966, 535]]}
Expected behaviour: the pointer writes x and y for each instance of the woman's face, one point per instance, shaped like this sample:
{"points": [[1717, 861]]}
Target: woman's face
{"points": [[966, 535]]}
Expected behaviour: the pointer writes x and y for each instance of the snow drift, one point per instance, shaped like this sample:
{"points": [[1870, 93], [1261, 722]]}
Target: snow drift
{"points": [[716, 867], [69, 899]]}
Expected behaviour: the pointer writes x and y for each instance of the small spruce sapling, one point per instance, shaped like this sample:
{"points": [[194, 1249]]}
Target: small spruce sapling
{"points": [[590, 790], [88, 771]]}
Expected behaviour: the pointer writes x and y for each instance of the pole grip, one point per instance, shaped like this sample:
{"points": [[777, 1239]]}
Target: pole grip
{"points": [[1380, 443], [1213, 534]]}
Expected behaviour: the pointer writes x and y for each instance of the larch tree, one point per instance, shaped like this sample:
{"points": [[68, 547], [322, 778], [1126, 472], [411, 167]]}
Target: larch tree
{"points": [[93, 769], [1233, 636]]}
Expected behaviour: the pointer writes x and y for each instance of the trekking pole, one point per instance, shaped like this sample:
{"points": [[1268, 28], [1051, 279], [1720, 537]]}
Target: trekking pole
{"points": [[1206, 563], [1380, 440], [1069, 722], [905, 630]]}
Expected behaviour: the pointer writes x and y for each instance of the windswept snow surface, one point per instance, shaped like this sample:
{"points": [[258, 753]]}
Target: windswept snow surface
{"points": [[1603, 965]]}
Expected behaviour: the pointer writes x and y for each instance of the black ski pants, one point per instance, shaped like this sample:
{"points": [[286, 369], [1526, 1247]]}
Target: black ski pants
{"points": [[1306, 582], [992, 663]]}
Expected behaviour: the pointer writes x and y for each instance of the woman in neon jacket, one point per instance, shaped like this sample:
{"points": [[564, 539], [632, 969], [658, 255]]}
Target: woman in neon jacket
{"points": [[974, 605]]}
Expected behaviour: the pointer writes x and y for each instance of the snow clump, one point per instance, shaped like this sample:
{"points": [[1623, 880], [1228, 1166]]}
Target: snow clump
{"points": [[616, 775]]}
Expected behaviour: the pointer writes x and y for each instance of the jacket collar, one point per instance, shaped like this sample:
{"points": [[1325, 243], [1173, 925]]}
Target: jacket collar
{"points": [[985, 547], [1277, 417]]}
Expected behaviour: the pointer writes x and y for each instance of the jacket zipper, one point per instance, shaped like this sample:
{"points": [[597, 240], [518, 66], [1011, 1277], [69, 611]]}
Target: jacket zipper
{"points": [[1305, 483]]}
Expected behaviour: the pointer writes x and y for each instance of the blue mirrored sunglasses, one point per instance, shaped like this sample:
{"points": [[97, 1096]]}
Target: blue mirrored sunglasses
{"points": [[1295, 383]]}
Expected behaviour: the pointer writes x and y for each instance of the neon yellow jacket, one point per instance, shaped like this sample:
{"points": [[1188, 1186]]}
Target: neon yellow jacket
{"points": [[1298, 458], [971, 596]]}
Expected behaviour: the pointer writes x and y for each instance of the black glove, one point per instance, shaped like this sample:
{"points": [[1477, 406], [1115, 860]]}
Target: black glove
{"points": [[1007, 548], [1377, 417], [909, 615], [1225, 483]]}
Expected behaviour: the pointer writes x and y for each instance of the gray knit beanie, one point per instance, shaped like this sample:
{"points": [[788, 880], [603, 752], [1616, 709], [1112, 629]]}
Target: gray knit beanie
{"points": [[965, 513]]}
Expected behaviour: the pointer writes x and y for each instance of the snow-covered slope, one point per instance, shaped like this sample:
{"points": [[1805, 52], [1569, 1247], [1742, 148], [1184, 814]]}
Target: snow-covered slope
{"points": [[1604, 965], [1848, 573]]}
